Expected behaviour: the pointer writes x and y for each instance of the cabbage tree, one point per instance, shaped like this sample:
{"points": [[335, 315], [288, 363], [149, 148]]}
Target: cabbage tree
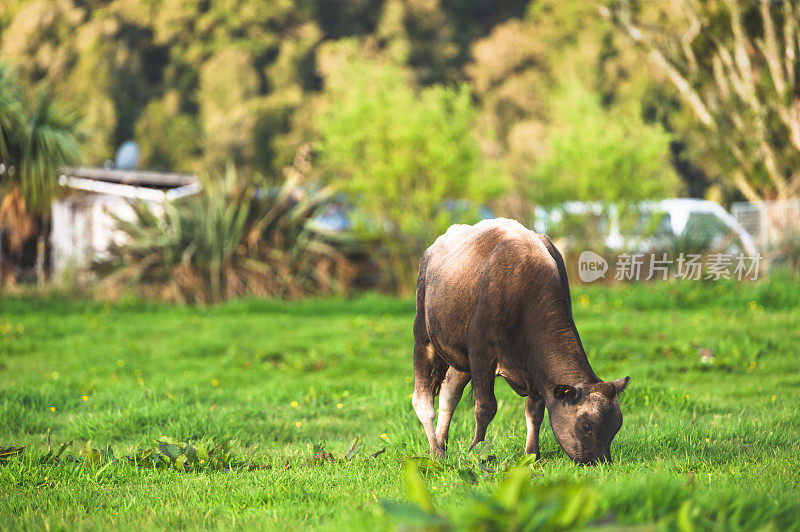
{"points": [[34, 145]]}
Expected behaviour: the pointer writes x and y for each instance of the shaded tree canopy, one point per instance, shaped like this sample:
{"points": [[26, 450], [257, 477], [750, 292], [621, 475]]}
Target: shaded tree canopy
{"points": [[197, 83], [734, 65], [200, 83]]}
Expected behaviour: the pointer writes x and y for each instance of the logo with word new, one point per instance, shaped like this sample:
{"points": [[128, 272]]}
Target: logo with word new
{"points": [[591, 266]]}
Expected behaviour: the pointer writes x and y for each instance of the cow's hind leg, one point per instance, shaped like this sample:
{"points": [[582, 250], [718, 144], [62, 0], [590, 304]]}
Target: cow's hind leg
{"points": [[449, 396], [425, 383]]}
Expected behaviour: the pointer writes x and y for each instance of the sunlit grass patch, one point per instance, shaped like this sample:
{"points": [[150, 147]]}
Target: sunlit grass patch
{"points": [[286, 384]]}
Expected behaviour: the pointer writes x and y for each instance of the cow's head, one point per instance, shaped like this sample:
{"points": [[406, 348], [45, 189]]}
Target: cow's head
{"points": [[585, 418]]}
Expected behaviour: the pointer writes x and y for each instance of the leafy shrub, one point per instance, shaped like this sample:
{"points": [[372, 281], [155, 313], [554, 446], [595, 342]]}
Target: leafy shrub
{"points": [[515, 504], [169, 454], [519, 503], [231, 240]]}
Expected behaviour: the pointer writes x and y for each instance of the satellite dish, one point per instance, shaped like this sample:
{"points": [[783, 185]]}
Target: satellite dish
{"points": [[127, 157]]}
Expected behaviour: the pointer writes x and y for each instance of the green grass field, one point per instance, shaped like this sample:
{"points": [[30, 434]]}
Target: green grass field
{"points": [[716, 445]]}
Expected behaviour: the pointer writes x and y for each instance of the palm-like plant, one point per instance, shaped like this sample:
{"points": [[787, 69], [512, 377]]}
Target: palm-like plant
{"points": [[12, 112], [231, 240], [50, 143], [33, 146]]}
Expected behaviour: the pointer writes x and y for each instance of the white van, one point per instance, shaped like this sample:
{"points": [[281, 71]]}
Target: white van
{"points": [[685, 223]]}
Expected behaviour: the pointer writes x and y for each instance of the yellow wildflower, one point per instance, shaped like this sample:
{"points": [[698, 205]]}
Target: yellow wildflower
{"points": [[294, 404], [52, 409], [340, 406], [384, 437], [298, 424], [85, 397], [214, 383]]}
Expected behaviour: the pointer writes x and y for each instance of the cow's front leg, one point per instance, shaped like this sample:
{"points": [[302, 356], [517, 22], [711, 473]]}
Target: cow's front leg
{"points": [[534, 414]]}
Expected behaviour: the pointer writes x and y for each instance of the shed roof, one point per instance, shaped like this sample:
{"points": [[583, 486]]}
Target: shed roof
{"points": [[152, 186], [138, 178]]}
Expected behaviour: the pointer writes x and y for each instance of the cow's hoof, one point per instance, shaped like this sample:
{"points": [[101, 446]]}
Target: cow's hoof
{"points": [[438, 452], [534, 452]]}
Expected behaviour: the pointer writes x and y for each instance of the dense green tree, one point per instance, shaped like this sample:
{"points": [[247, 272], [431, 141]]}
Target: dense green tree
{"points": [[598, 153], [226, 108], [122, 62], [117, 60], [199, 82], [168, 137], [523, 63], [400, 152], [418, 33]]}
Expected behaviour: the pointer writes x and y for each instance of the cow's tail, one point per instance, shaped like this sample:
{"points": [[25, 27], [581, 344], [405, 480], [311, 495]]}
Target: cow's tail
{"points": [[438, 372]]}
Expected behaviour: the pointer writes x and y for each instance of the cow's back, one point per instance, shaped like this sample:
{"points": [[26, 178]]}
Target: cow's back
{"points": [[453, 266]]}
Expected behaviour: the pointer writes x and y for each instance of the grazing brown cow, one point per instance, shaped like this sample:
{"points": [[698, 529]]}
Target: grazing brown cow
{"points": [[493, 299]]}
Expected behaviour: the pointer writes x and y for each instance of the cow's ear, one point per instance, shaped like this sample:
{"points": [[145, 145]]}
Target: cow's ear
{"points": [[565, 392], [620, 385]]}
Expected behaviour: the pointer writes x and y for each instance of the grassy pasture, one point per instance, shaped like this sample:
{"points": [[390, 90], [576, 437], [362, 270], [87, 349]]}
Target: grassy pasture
{"points": [[719, 442]]}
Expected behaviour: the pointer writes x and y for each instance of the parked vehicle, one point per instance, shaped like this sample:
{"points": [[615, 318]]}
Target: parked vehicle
{"points": [[678, 225]]}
